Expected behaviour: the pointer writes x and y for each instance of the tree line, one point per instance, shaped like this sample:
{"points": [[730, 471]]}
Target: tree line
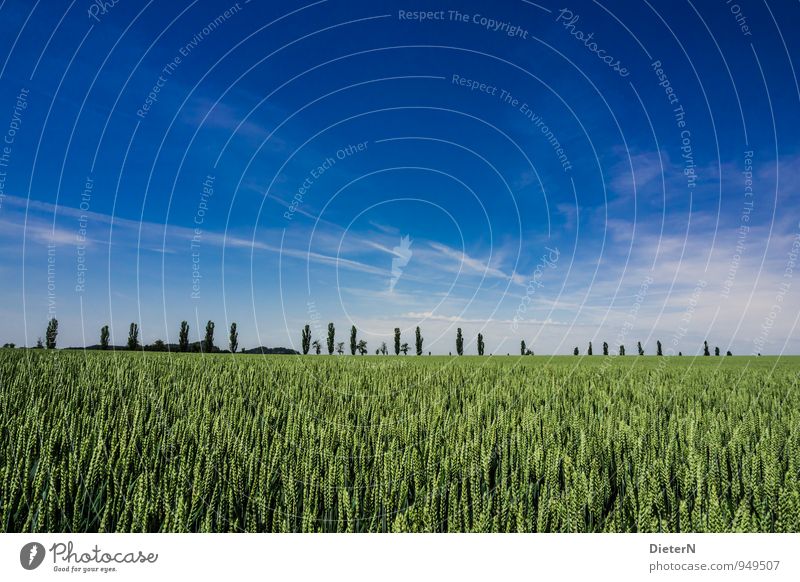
{"points": [[357, 346], [184, 345], [640, 349]]}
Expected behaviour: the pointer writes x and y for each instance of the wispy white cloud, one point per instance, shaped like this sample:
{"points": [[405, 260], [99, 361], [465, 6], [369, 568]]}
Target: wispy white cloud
{"points": [[464, 263]]}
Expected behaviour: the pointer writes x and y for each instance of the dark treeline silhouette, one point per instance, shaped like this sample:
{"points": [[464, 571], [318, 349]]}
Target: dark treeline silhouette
{"points": [[206, 345]]}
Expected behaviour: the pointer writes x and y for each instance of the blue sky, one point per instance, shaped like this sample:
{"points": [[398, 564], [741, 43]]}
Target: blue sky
{"points": [[605, 171]]}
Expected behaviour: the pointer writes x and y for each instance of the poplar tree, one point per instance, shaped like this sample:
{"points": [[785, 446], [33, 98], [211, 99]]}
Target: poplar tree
{"points": [[51, 334], [233, 339], [183, 337], [208, 342], [331, 338], [306, 339], [133, 337], [104, 335]]}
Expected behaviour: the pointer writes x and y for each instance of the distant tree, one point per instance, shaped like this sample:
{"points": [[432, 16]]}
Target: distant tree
{"points": [[640, 348], [397, 341], [658, 348], [418, 341], [208, 342], [233, 339], [362, 347], [522, 349], [384, 350], [340, 348], [159, 346], [576, 351], [430, 354], [680, 353], [705, 349], [605, 348], [40, 346], [728, 353], [716, 351], [306, 338], [353, 342], [480, 344], [317, 345], [459, 342], [104, 337], [183, 337], [378, 352], [589, 352], [404, 348], [621, 350], [10, 346], [529, 352], [51, 334], [133, 337], [331, 338]]}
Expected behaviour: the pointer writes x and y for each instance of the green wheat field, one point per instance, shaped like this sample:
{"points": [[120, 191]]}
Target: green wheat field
{"points": [[135, 442]]}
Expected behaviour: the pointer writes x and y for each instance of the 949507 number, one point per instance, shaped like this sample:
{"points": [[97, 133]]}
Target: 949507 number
{"points": [[757, 565]]}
